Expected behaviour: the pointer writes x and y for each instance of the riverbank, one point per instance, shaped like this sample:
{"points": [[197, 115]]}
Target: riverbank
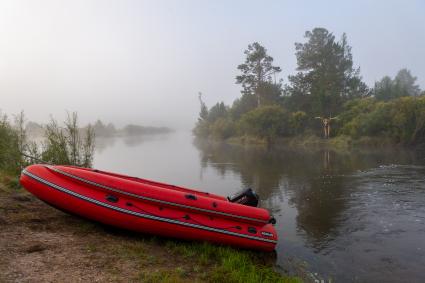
{"points": [[41, 244], [312, 141]]}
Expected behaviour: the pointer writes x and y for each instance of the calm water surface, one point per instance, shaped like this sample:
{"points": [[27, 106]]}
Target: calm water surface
{"points": [[347, 216]]}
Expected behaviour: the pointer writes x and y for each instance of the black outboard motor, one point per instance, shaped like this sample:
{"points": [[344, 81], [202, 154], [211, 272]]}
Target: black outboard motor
{"points": [[245, 197]]}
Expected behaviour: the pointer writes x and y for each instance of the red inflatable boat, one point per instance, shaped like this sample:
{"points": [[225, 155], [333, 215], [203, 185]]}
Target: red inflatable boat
{"points": [[151, 207]]}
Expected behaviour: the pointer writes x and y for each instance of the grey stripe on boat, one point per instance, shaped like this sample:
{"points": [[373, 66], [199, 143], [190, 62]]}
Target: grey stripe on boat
{"points": [[143, 215], [153, 199]]}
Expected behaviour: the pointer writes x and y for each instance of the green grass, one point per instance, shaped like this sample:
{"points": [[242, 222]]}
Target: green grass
{"points": [[340, 142], [158, 259], [173, 276], [165, 260], [246, 140], [9, 183], [226, 264]]}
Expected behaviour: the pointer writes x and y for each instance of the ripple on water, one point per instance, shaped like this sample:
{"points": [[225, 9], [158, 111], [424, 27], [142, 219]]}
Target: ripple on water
{"points": [[383, 222]]}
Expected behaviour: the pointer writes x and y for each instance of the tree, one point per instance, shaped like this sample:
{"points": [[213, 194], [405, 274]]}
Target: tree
{"points": [[326, 77], [202, 126], [402, 85], [405, 83], [243, 105], [270, 93], [219, 110], [104, 131], [257, 71], [203, 114], [384, 89], [110, 129]]}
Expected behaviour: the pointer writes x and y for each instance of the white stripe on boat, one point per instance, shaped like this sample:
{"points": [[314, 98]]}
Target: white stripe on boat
{"points": [[152, 199], [143, 215]]}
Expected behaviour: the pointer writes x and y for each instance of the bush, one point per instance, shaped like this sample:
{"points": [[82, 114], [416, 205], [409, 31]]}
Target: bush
{"points": [[243, 105], [222, 128], [10, 157], [298, 122], [216, 112], [69, 145], [402, 120], [202, 129], [267, 122]]}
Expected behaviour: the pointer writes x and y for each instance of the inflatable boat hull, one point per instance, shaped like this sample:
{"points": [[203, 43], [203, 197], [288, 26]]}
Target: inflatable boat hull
{"points": [[150, 207]]}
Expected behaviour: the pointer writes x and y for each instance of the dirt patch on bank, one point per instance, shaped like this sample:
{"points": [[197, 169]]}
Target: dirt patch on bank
{"points": [[41, 244]]}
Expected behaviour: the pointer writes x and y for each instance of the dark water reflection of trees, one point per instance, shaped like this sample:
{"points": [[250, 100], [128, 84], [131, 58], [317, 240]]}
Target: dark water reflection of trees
{"points": [[316, 181]]}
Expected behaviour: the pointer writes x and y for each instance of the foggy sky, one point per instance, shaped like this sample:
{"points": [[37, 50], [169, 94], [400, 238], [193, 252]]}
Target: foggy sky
{"points": [[144, 62]]}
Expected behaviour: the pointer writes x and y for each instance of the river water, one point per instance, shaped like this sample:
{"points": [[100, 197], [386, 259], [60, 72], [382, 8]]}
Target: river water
{"points": [[355, 216]]}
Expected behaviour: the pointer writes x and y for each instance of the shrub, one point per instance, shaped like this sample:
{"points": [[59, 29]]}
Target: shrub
{"points": [[10, 157], [69, 145], [267, 122], [297, 122], [402, 120], [222, 128], [202, 129]]}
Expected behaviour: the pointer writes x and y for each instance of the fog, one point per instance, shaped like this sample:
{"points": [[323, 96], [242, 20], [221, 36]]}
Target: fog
{"points": [[144, 62]]}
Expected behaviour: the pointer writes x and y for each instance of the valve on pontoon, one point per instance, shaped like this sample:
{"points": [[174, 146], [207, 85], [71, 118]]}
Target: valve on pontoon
{"points": [[245, 197]]}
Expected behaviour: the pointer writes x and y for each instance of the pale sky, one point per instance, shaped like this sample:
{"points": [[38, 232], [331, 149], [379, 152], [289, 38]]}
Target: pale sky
{"points": [[145, 61]]}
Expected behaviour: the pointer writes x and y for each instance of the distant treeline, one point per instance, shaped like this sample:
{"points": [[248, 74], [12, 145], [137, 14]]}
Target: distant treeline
{"points": [[326, 90], [59, 143], [109, 130], [106, 130]]}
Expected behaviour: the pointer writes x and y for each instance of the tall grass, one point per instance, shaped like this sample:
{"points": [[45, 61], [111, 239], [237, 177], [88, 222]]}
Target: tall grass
{"points": [[68, 144]]}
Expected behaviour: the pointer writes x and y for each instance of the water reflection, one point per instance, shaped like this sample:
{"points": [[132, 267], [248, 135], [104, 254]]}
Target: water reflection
{"points": [[104, 143], [131, 141], [351, 215], [311, 179], [330, 192]]}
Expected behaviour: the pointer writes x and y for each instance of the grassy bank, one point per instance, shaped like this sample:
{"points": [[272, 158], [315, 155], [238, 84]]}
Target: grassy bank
{"points": [[361, 122], [312, 141], [39, 243]]}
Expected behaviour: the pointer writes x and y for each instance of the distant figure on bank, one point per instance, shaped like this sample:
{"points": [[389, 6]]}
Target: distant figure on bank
{"points": [[326, 122]]}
